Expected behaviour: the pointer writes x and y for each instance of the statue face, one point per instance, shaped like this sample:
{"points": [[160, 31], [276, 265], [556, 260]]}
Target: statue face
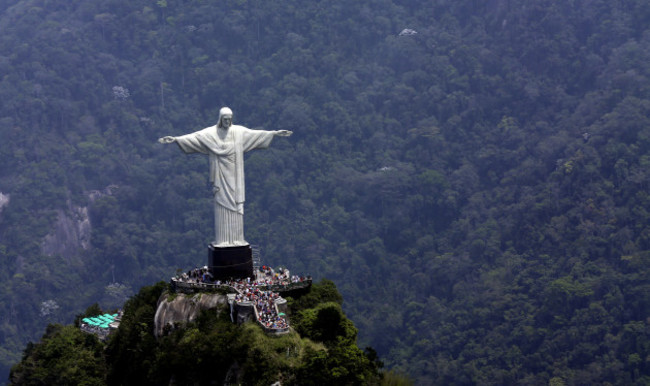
{"points": [[226, 121]]}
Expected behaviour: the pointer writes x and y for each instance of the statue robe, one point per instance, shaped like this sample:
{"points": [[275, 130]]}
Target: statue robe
{"points": [[227, 174]]}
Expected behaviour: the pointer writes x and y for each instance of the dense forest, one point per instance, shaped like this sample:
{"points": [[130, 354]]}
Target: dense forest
{"points": [[474, 176], [208, 351]]}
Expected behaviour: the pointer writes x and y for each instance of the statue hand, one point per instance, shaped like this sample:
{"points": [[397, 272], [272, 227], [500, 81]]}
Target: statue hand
{"points": [[167, 139], [283, 133]]}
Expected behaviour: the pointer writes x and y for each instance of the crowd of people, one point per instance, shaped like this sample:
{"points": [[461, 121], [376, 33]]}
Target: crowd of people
{"points": [[255, 290], [196, 275], [251, 290], [264, 303], [267, 276]]}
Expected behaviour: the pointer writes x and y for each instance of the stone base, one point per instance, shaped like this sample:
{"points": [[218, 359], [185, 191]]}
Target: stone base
{"points": [[227, 263]]}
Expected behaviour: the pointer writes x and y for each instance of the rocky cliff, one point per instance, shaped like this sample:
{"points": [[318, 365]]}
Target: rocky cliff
{"points": [[179, 309], [4, 200], [70, 233]]}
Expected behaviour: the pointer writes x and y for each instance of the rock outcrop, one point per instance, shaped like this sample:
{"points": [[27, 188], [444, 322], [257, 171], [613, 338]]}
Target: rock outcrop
{"points": [[4, 201], [70, 233], [184, 308], [71, 230]]}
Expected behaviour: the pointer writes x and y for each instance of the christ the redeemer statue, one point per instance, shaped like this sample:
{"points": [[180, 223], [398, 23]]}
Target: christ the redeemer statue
{"points": [[226, 144]]}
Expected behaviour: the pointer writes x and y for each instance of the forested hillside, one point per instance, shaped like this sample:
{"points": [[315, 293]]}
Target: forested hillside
{"points": [[476, 187], [210, 350]]}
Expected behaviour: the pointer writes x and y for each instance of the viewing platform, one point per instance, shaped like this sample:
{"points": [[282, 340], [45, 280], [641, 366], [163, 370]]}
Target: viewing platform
{"points": [[257, 298]]}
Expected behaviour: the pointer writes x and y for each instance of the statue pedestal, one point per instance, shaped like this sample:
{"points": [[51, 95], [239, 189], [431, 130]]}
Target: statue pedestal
{"points": [[227, 263]]}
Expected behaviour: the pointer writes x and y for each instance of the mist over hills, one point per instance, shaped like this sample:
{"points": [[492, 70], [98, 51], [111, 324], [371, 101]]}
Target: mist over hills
{"points": [[477, 189]]}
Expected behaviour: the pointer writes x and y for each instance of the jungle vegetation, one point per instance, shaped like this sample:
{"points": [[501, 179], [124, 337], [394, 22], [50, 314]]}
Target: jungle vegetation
{"points": [[478, 188], [209, 350]]}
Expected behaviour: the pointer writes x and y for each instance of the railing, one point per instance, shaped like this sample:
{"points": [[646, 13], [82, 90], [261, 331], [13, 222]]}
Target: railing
{"points": [[257, 257], [277, 331], [285, 287], [101, 333], [183, 286], [192, 286], [179, 284]]}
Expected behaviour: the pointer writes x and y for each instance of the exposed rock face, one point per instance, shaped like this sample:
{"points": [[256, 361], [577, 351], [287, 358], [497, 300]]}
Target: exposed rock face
{"points": [[184, 308], [4, 201], [71, 233]]}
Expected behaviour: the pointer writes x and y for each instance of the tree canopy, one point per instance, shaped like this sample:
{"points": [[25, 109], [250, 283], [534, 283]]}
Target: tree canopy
{"points": [[209, 350], [476, 187]]}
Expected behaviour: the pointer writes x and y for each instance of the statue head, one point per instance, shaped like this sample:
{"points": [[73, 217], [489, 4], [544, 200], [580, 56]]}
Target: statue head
{"points": [[225, 118]]}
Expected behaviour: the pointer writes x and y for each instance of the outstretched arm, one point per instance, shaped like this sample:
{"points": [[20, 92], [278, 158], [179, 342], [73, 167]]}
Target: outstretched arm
{"points": [[283, 133], [167, 139]]}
